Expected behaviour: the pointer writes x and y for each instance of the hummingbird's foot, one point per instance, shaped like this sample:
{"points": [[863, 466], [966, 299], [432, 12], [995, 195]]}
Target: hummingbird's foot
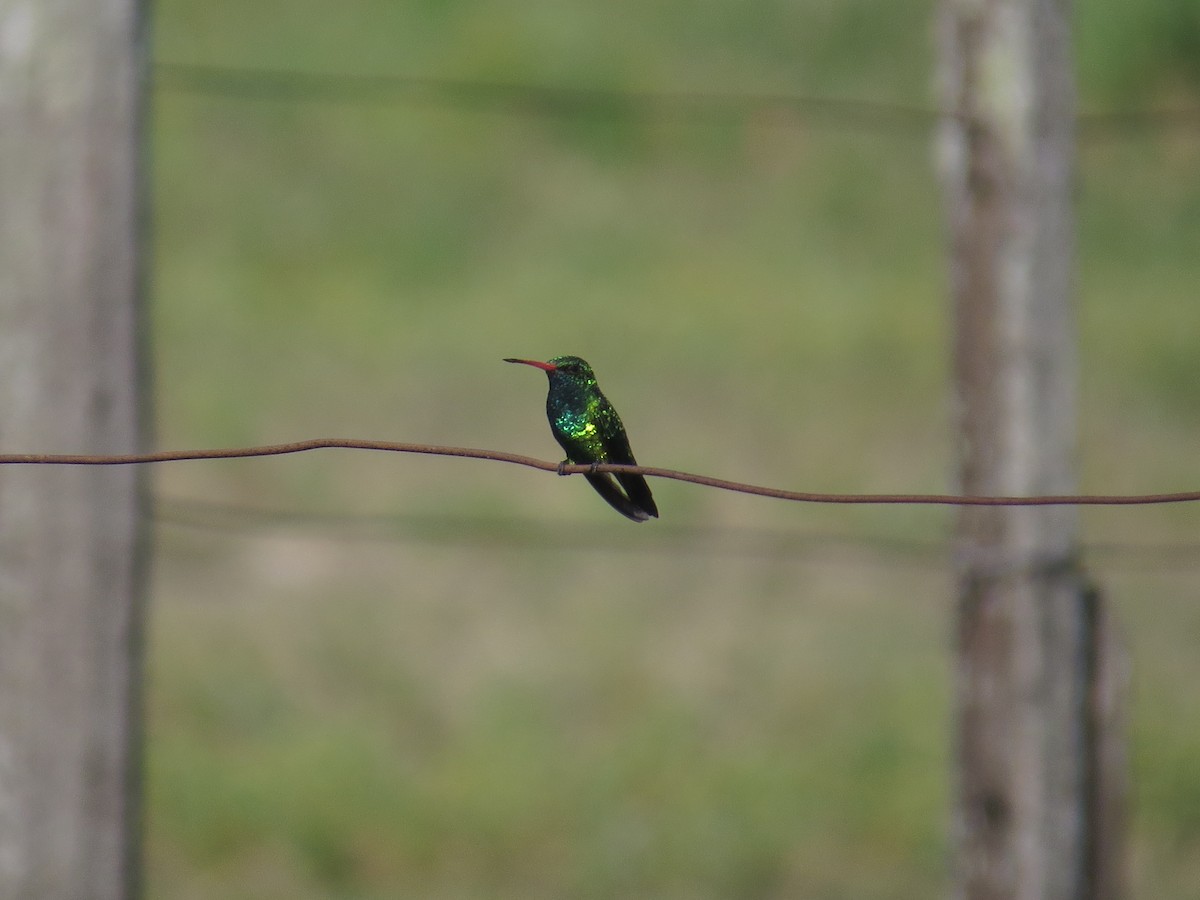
{"points": [[566, 462]]}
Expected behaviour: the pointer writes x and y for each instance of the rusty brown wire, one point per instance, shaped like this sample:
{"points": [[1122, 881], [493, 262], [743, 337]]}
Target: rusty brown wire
{"points": [[125, 459]]}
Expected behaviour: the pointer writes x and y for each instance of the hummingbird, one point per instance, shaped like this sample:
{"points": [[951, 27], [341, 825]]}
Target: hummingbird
{"points": [[586, 426]]}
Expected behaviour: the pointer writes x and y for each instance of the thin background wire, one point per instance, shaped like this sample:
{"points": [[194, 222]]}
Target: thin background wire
{"points": [[252, 83]]}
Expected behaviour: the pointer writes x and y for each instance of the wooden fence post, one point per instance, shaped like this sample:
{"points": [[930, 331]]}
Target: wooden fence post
{"points": [[1039, 802], [71, 539]]}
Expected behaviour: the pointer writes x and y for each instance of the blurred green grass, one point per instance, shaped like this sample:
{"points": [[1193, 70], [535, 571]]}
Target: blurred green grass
{"points": [[764, 300]]}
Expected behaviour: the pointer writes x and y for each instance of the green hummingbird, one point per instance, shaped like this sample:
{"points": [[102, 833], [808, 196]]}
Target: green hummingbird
{"points": [[588, 428]]}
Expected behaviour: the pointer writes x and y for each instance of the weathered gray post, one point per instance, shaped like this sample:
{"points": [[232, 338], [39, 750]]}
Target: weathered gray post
{"points": [[1038, 809], [70, 538]]}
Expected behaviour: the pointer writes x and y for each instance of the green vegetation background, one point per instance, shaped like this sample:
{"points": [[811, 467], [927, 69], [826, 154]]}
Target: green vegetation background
{"points": [[506, 690]]}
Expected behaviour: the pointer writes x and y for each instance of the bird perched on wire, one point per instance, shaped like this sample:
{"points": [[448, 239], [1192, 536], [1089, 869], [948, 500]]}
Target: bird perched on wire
{"points": [[588, 428]]}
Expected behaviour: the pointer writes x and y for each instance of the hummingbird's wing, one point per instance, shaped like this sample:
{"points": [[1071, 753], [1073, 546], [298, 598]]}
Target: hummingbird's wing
{"points": [[616, 450]]}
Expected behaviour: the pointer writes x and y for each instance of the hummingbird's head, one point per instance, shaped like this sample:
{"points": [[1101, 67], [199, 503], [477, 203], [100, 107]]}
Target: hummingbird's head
{"points": [[570, 368]]}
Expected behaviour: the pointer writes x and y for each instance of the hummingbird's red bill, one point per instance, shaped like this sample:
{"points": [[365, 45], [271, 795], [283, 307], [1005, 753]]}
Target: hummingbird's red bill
{"points": [[544, 366]]}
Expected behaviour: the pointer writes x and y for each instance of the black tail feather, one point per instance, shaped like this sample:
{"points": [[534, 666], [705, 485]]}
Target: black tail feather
{"points": [[638, 505], [638, 493]]}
